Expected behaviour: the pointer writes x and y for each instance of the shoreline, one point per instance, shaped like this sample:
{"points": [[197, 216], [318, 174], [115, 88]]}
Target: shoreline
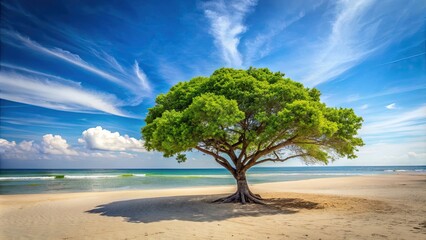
{"points": [[379, 206], [220, 189], [183, 188]]}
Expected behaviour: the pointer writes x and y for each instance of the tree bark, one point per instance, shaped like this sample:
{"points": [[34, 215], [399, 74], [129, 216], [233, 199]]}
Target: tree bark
{"points": [[243, 194]]}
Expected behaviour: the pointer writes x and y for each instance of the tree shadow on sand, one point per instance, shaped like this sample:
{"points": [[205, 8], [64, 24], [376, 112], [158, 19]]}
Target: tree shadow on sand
{"points": [[195, 208]]}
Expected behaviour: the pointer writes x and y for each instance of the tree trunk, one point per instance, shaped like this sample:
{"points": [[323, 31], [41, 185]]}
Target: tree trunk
{"points": [[243, 194]]}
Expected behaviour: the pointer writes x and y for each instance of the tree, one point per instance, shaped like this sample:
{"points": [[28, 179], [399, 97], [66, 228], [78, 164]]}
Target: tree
{"points": [[243, 118]]}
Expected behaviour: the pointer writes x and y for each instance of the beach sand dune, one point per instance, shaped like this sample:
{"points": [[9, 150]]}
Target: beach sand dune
{"points": [[367, 207]]}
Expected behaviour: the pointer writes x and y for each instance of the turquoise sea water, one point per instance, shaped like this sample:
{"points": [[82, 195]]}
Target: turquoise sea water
{"points": [[92, 180]]}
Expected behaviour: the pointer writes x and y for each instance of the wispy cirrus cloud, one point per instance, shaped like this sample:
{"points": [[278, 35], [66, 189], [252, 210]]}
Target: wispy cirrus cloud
{"points": [[16, 68], [360, 29], [386, 92], [134, 80], [403, 59], [143, 79], [61, 54], [37, 120], [271, 37], [385, 154], [171, 72], [364, 106], [110, 60], [42, 92], [260, 46], [226, 26], [406, 124], [130, 80], [391, 106]]}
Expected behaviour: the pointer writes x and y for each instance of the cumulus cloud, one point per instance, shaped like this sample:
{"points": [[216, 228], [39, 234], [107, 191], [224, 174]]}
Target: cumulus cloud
{"points": [[113, 146], [12, 150], [102, 139], [50, 145], [4, 144], [226, 22], [55, 144]]}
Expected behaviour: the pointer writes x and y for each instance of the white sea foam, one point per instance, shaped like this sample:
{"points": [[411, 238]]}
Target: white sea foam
{"points": [[26, 178], [192, 176], [89, 176], [398, 170], [303, 174], [139, 175], [65, 177]]}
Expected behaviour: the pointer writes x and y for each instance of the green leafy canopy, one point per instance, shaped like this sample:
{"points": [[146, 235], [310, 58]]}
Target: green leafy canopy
{"points": [[246, 117]]}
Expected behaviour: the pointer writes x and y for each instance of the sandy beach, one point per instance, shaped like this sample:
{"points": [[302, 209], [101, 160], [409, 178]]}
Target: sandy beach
{"points": [[364, 207]]}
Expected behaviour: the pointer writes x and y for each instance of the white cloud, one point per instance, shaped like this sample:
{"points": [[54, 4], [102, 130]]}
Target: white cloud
{"points": [[271, 36], [259, 47], [363, 107], [102, 139], [50, 145], [143, 79], [6, 144], [55, 144], [55, 95], [55, 147], [40, 74], [385, 154], [404, 58], [226, 20], [125, 80], [390, 91], [406, 124], [416, 155], [63, 55], [391, 106], [110, 60], [360, 29], [171, 73], [26, 146], [18, 151]]}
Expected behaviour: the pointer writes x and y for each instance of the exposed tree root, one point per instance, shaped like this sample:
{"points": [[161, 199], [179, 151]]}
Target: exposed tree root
{"points": [[241, 197]]}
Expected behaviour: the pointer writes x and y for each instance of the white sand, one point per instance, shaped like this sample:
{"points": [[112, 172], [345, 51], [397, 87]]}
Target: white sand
{"points": [[366, 207]]}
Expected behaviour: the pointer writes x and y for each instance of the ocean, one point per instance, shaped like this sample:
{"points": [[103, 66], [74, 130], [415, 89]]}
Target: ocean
{"points": [[13, 181]]}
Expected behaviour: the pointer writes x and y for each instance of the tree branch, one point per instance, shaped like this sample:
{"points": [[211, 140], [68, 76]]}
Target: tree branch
{"points": [[219, 159], [253, 158], [266, 151], [279, 159]]}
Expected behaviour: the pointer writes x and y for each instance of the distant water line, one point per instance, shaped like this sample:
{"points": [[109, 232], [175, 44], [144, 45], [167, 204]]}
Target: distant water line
{"points": [[26, 181]]}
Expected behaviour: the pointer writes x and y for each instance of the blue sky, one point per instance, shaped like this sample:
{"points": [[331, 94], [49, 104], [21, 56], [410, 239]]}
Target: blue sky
{"points": [[77, 78]]}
